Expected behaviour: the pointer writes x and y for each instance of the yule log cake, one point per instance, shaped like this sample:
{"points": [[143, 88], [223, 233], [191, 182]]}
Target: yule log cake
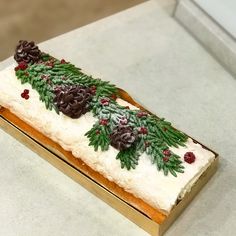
{"points": [[140, 152]]}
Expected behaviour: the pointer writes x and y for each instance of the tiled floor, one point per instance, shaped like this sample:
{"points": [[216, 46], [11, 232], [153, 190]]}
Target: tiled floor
{"points": [[42, 19]]}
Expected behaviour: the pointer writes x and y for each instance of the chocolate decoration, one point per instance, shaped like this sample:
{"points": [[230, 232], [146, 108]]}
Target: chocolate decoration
{"points": [[27, 52], [72, 100], [123, 137]]}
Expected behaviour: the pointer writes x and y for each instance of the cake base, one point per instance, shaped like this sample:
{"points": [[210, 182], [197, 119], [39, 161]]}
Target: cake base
{"points": [[151, 220]]}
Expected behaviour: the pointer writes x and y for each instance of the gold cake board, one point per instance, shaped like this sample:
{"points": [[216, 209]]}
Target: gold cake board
{"points": [[149, 219]]}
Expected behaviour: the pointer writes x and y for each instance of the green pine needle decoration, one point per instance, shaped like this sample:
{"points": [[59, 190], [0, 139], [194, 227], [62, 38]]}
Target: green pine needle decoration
{"points": [[161, 135], [99, 137], [45, 75], [128, 157]]}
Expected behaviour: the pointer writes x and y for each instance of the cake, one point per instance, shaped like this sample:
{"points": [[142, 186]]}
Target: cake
{"points": [[140, 152]]}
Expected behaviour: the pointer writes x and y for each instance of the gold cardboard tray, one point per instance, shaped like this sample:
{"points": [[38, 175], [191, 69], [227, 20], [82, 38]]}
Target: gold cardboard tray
{"points": [[148, 218]]}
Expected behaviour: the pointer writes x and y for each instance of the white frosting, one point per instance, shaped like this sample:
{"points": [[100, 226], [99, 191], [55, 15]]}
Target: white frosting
{"points": [[144, 182]]}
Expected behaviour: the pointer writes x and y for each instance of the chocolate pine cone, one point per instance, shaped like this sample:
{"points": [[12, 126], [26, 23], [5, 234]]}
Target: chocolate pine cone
{"points": [[27, 52], [72, 100], [122, 137]]}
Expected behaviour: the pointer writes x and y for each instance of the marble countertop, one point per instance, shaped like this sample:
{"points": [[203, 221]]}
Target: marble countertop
{"points": [[146, 52]]}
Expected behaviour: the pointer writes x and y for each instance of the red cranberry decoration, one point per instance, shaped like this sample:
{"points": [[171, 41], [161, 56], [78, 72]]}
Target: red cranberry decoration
{"points": [[21, 66], [143, 130], [165, 159], [105, 101], [26, 97], [103, 122], [141, 114], [167, 152], [93, 89], [25, 94], [63, 61], [113, 96], [46, 78], [17, 68], [50, 63], [189, 157], [97, 132]]}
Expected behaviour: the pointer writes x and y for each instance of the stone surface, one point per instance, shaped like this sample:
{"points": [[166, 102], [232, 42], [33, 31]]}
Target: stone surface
{"points": [[146, 52]]}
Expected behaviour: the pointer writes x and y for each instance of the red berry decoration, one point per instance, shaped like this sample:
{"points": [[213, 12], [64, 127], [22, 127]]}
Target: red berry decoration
{"points": [[189, 157], [26, 97], [51, 64], [25, 94], [22, 65], [167, 152], [165, 159], [63, 61], [103, 122], [113, 96], [46, 78], [93, 89], [17, 68], [143, 130], [141, 114], [105, 101]]}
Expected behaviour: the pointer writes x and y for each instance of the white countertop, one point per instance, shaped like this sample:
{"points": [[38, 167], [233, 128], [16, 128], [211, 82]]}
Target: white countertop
{"points": [[146, 52]]}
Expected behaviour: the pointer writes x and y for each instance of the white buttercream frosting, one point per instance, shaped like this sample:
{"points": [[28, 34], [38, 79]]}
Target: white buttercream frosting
{"points": [[145, 182]]}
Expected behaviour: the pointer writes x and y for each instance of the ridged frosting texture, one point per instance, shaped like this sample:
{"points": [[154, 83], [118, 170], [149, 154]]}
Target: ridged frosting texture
{"points": [[145, 182]]}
